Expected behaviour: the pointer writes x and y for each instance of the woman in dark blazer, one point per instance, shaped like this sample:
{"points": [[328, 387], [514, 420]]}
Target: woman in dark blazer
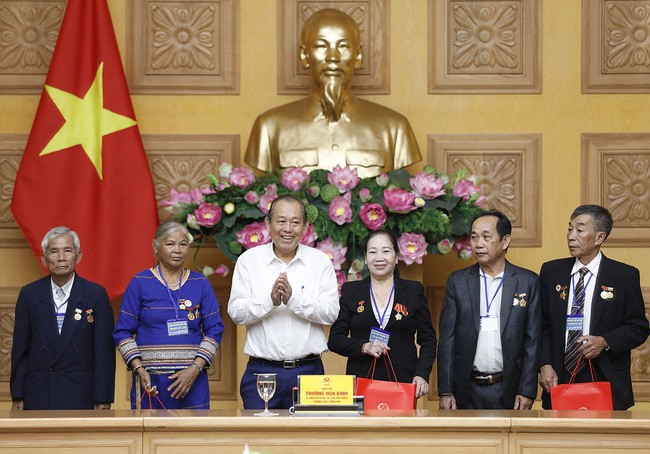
{"points": [[393, 305]]}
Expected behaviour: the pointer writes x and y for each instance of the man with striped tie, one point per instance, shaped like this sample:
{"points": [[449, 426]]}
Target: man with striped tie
{"points": [[592, 307]]}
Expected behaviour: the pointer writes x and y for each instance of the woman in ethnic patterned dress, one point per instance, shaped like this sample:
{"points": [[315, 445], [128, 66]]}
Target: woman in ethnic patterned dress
{"points": [[169, 327]]}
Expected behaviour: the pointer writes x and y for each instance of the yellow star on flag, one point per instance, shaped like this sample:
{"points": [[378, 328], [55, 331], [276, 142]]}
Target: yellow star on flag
{"points": [[86, 121]]}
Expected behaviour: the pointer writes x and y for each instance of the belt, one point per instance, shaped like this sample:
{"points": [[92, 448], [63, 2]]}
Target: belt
{"points": [[483, 379], [286, 364]]}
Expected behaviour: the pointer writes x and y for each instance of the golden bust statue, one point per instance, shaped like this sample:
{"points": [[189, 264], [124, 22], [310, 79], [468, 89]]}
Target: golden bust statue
{"points": [[332, 126]]}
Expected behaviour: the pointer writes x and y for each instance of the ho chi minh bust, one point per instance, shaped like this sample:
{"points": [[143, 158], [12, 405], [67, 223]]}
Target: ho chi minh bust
{"points": [[332, 126]]}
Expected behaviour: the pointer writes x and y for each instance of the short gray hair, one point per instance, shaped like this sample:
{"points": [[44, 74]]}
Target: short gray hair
{"points": [[167, 228], [57, 232]]}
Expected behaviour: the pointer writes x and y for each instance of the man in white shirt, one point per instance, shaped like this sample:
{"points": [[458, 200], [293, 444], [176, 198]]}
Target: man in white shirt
{"points": [[592, 307], [489, 326], [284, 292]]}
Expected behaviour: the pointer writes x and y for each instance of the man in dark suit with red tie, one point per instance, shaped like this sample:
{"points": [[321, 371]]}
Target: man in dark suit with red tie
{"points": [[63, 356], [592, 307]]}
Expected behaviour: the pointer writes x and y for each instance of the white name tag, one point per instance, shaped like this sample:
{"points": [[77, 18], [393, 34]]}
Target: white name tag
{"points": [[490, 323], [574, 322], [177, 327]]}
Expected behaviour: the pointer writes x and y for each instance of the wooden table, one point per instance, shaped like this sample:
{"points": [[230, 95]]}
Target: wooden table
{"points": [[412, 432]]}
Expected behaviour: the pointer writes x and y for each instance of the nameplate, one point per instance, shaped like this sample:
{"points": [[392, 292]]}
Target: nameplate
{"points": [[326, 389]]}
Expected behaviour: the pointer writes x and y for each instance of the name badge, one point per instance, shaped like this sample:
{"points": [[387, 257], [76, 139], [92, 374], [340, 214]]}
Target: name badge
{"points": [[489, 323], [380, 335], [177, 327], [574, 322]]}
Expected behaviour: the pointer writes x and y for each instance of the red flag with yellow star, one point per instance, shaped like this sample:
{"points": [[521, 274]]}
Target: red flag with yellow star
{"points": [[84, 166]]}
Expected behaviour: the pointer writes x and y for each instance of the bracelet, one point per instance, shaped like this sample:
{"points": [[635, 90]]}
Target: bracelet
{"points": [[362, 352], [135, 369], [198, 367]]}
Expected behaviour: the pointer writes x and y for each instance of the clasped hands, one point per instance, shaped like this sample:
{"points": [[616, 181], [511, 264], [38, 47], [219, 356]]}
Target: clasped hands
{"points": [[183, 380], [281, 290]]}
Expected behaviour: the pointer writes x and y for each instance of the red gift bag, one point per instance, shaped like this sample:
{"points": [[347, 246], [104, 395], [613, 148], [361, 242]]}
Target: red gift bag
{"points": [[594, 395], [385, 395]]}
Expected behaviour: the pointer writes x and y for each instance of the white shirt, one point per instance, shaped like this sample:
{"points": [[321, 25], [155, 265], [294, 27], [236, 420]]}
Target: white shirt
{"points": [[590, 286], [61, 304], [289, 331], [489, 354]]}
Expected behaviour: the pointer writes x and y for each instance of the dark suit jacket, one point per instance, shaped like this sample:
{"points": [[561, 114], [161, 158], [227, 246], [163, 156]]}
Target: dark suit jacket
{"points": [[520, 333], [620, 320], [352, 329], [73, 370]]}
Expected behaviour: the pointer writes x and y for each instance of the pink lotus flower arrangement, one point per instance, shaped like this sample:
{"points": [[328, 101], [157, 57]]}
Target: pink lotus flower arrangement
{"points": [[429, 212]]}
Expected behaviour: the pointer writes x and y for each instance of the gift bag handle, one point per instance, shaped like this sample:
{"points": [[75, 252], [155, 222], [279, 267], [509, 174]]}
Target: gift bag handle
{"points": [[387, 361], [575, 371]]}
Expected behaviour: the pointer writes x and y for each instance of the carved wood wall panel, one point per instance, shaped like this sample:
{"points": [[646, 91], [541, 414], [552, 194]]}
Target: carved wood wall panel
{"points": [[435, 294], [508, 170], [29, 30], [485, 46], [183, 47], [616, 175], [615, 46], [182, 162], [12, 147], [8, 297], [373, 18]]}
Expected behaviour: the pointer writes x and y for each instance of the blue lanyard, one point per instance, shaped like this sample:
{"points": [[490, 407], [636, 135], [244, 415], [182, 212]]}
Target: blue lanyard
{"points": [[584, 288], [488, 300], [169, 292], [58, 308], [374, 301]]}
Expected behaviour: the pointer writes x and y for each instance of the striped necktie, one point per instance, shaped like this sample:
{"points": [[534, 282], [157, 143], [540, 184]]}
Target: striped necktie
{"points": [[571, 354]]}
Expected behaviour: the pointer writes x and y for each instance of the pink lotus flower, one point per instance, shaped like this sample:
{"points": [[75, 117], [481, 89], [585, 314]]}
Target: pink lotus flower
{"points": [[399, 200], [254, 234], [310, 236], [340, 280], [353, 276], [463, 247], [222, 270], [267, 198], [222, 186], [294, 177], [335, 251], [466, 188], [339, 211], [382, 180], [444, 246], [252, 197], [345, 179], [427, 185], [207, 214], [373, 216], [241, 177], [176, 198], [365, 195], [412, 247]]}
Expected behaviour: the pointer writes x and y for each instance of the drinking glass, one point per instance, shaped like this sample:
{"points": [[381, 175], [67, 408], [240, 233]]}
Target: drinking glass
{"points": [[266, 389]]}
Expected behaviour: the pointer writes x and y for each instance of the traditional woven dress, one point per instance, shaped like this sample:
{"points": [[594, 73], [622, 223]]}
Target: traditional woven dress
{"points": [[143, 331]]}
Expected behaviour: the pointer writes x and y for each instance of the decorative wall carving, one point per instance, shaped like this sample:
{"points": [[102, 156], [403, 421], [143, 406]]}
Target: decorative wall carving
{"points": [[435, 294], [29, 32], [616, 46], [8, 297], [12, 147], [182, 162], [616, 174], [485, 46], [189, 47], [373, 19], [508, 170]]}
